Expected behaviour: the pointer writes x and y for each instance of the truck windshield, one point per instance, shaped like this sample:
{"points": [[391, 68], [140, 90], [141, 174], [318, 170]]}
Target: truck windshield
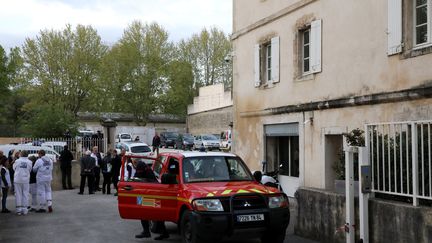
{"points": [[214, 168]]}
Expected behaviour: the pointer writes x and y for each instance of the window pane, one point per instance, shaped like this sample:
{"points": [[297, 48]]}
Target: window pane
{"points": [[269, 74], [421, 34], [306, 37], [306, 51], [421, 15], [306, 65], [421, 2]]}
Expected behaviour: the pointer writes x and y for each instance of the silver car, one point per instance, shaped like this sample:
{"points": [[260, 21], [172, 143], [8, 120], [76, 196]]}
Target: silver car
{"points": [[208, 141]]}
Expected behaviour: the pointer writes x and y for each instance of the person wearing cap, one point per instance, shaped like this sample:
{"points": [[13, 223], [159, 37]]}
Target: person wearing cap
{"points": [[22, 168], [66, 158], [88, 164]]}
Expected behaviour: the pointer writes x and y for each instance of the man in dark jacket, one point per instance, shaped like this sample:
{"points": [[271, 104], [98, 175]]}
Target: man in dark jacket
{"points": [[66, 158], [116, 164], [88, 164], [156, 143]]}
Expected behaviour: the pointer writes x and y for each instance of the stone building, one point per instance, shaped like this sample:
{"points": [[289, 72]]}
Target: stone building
{"points": [[308, 71], [211, 111]]}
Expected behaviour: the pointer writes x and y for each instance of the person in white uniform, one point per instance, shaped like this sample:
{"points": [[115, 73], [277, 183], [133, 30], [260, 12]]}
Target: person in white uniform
{"points": [[43, 168], [22, 168]]}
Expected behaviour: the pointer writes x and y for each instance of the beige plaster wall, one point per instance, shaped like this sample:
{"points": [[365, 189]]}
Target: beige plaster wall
{"points": [[354, 62], [354, 59]]}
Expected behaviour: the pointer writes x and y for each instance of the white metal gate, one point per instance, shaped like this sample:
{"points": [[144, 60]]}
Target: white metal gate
{"points": [[400, 156]]}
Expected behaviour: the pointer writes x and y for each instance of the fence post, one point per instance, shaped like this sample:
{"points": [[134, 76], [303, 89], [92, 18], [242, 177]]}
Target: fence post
{"points": [[349, 194], [414, 154], [363, 197]]}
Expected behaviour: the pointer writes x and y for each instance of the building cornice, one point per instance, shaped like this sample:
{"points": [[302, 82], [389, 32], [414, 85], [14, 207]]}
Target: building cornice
{"points": [[293, 7], [371, 99]]}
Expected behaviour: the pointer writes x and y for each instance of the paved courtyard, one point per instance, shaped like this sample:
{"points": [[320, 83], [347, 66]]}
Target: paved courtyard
{"points": [[81, 218]]}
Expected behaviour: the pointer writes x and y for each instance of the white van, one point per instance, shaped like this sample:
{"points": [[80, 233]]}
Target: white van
{"points": [[225, 139], [33, 150]]}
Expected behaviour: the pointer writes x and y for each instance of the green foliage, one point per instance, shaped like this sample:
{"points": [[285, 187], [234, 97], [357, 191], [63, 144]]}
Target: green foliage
{"points": [[206, 52], [180, 89], [47, 121], [353, 138], [62, 66], [135, 70]]}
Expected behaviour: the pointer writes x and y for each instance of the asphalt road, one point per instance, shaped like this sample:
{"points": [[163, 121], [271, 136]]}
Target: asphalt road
{"points": [[81, 218]]}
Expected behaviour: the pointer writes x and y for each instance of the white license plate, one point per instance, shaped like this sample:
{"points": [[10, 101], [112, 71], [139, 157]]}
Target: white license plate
{"points": [[250, 217]]}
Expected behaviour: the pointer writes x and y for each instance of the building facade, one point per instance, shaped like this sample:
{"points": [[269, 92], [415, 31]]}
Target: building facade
{"points": [[308, 71]]}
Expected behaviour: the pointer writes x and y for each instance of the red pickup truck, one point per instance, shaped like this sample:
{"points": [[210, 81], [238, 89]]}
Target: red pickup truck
{"points": [[211, 196]]}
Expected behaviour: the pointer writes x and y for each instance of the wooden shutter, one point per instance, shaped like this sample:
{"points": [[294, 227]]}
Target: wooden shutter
{"points": [[394, 27], [275, 59], [315, 46], [257, 73]]}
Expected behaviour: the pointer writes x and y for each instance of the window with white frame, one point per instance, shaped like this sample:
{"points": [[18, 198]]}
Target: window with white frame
{"points": [[266, 68], [305, 45], [309, 49], [422, 16]]}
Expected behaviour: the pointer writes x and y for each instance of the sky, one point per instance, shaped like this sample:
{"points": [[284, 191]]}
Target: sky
{"points": [[21, 19]]}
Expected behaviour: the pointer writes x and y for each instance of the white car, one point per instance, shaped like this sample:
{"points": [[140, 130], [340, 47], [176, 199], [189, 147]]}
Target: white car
{"points": [[124, 137], [32, 150], [134, 148], [56, 145]]}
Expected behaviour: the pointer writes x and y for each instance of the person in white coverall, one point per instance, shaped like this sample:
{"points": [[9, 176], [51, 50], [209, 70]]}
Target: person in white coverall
{"points": [[22, 168], [43, 168]]}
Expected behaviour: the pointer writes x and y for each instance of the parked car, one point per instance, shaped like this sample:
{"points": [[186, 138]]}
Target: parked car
{"points": [[58, 146], [124, 137], [208, 141], [33, 150], [168, 139], [211, 196], [184, 141], [134, 148]]}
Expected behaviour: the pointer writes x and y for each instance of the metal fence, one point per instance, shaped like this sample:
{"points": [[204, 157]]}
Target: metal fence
{"points": [[77, 145], [400, 156]]}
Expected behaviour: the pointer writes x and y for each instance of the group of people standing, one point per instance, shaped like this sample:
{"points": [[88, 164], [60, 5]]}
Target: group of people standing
{"points": [[92, 165], [31, 175]]}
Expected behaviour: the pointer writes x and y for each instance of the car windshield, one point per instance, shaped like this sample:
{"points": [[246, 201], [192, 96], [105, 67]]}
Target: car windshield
{"points": [[140, 149], [125, 136], [214, 168], [209, 137], [171, 135]]}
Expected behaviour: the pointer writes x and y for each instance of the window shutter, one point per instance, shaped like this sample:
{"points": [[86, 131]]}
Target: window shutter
{"points": [[315, 46], [257, 66], [275, 59], [394, 27]]}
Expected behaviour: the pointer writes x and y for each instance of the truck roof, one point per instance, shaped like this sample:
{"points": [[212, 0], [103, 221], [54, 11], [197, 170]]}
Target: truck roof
{"points": [[188, 154]]}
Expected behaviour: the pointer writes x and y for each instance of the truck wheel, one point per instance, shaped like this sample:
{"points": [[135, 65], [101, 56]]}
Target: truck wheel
{"points": [[188, 233], [273, 237]]}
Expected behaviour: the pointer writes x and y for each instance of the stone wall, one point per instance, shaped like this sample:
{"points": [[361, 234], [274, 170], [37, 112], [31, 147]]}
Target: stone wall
{"points": [[213, 121], [76, 177], [322, 213]]}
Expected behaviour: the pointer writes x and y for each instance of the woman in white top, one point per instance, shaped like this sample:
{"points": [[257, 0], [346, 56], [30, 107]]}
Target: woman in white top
{"points": [[5, 182]]}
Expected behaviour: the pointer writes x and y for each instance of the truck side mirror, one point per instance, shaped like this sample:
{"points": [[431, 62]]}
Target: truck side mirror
{"points": [[168, 179]]}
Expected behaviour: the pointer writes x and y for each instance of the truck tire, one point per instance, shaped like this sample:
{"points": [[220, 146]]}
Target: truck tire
{"points": [[188, 233], [273, 237]]}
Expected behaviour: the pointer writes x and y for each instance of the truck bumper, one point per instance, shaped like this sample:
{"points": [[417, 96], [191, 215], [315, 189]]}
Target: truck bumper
{"points": [[224, 225]]}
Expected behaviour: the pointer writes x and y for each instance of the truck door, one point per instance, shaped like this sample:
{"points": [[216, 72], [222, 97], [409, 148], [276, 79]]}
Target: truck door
{"points": [[139, 199]]}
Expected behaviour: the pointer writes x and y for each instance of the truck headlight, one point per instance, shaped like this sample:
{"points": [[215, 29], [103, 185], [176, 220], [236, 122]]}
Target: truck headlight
{"points": [[213, 205], [278, 201]]}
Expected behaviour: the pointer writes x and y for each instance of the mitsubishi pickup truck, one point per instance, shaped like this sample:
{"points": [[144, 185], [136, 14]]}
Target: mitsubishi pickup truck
{"points": [[211, 196]]}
